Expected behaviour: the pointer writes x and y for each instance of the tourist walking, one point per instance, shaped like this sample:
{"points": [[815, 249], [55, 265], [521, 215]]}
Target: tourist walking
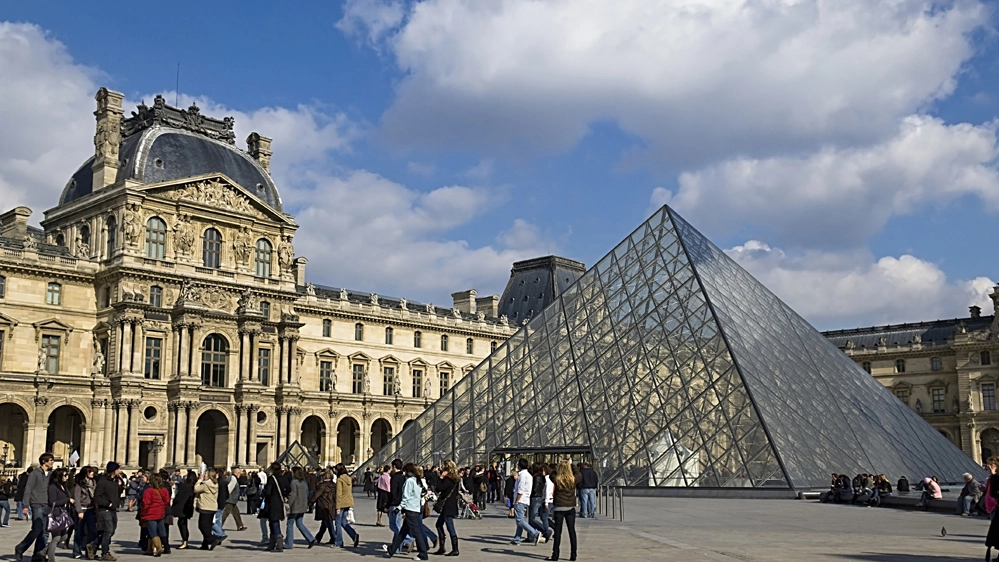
{"points": [[510, 491], [564, 507], [369, 482], [522, 505], [206, 499], [412, 520], [22, 483], [107, 498], [992, 496], [538, 514], [183, 506], [447, 507], [6, 494], [298, 504], [60, 505], [273, 508], [86, 515], [397, 479], [153, 512], [253, 487], [588, 491], [232, 500], [344, 503], [323, 500], [384, 494], [36, 496]]}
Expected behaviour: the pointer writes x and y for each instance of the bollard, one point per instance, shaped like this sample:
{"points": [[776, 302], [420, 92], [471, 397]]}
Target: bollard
{"points": [[622, 505], [613, 504]]}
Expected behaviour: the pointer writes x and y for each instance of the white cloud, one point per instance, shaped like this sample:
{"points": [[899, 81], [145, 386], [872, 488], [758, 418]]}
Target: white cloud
{"points": [[46, 115], [848, 289], [695, 79], [841, 197], [367, 232]]}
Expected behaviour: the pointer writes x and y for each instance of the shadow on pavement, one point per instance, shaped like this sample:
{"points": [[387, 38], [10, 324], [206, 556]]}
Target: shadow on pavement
{"points": [[882, 557]]}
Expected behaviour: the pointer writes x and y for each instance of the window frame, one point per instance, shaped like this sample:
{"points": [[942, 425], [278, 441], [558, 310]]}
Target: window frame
{"points": [[152, 358], [936, 363], [444, 342], [211, 249], [264, 365], [469, 346], [156, 233], [988, 398], [53, 294], [417, 376], [444, 381], [389, 335], [3, 286], [156, 296], [866, 366], [265, 309], [357, 372], [388, 380], [46, 344], [985, 358], [112, 239], [900, 365], [903, 394], [263, 258], [327, 328], [326, 376], [938, 406], [359, 332], [214, 362], [417, 338]]}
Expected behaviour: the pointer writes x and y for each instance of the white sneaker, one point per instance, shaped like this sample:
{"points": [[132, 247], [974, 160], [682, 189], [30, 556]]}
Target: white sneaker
{"points": [[384, 548]]}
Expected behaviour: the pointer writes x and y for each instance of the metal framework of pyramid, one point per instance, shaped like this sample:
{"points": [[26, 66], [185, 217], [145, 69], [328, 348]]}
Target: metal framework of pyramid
{"points": [[676, 368], [297, 455]]}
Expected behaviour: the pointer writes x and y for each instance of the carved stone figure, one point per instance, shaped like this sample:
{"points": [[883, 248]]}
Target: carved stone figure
{"points": [[480, 316], [184, 234], [246, 301], [132, 226], [973, 358], [962, 328], [917, 339], [427, 387], [310, 290], [286, 254], [343, 294], [431, 309], [214, 193], [882, 341], [29, 242], [971, 404], [242, 246], [108, 138], [374, 299], [188, 292], [919, 406], [43, 356], [403, 303], [366, 383], [98, 366], [456, 312], [397, 385], [504, 320], [83, 250], [850, 344]]}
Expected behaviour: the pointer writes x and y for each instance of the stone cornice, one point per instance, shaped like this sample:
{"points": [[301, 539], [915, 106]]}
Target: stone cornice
{"points": [[467, 327]]}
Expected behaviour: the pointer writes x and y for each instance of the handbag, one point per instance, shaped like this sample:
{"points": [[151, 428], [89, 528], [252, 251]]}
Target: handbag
{"points": [[59, 521], [439, 504], [350, 515]]}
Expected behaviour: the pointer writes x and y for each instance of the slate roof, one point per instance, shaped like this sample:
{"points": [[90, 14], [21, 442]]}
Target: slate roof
{"points": [[938, 332], [534, 284]]}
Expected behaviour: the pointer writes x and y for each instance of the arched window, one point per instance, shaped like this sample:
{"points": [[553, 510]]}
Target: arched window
{"points": [[444, 342], [112, 235], [53, 294], [358, 332], [263, 258], [389, 333], [900, 365], [469, 346], [986, 358], [327, 328], [156, 296], [211, 250], [85, 235], [866, 365], [155, 238], [213, 359], [417, 338], [60, 240]]}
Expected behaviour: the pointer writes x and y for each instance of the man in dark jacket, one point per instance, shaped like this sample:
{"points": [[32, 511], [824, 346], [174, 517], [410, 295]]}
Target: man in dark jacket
{"points": [[107, 496], [588, 491], [22, 481], [396, 482], [36, 495]]}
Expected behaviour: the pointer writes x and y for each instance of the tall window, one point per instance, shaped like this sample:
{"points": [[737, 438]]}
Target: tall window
{"points": [[51, 345], [417, 337], [866, 366], [265, 310], [358, 332], [85, 235], [327, 328], [264, 365], [903, 395], [389, 333], [213, 359], [325, 376], [1, 348], [986, 358], [112, 235], [106, 297], [156, 296], [444, 342], [988, 397], [357, 378], [211, 249], [417, 383], [60, 240], [900, 365], [3, 286], [262, 258], [469, 346], [939, 404], [445, 381], [388, 381], [155, 238], [936, 364], [154, 350], [53, 294], [492, 347]]}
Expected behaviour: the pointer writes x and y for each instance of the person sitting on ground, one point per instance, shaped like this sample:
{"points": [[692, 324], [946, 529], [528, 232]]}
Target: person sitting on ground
{"points": [[845, 490], [833, 486], [902, 485], [970, 495], [931, 490], [882, 487]]}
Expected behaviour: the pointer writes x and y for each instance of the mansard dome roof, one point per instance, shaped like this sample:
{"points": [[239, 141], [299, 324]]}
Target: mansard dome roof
{"points": [[163, 143]]}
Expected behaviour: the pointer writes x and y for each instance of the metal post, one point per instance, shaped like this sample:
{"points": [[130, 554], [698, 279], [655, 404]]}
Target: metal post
{"points": [[613, 491], [600, 500], [622, 505]]}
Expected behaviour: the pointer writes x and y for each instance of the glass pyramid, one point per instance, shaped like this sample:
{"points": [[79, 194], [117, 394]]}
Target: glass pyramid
{"points": [[676, 368]]}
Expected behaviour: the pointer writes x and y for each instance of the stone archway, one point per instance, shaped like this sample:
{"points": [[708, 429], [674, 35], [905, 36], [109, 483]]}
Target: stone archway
{"points": [[989, 440], [65, 433], [313, 438], [381, 432], [212, 439], [13, 435], [348, 439]]}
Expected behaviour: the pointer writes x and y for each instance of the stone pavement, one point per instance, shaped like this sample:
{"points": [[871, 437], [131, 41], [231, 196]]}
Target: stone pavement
{"points": [[655, 529]]}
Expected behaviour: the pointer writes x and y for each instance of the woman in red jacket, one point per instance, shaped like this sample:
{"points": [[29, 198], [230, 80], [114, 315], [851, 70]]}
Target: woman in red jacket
{"points": [[155, 502]]}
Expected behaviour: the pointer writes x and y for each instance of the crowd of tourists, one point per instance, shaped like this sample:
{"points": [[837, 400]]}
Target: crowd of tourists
{"points": [[866, 489], [79, 509]]}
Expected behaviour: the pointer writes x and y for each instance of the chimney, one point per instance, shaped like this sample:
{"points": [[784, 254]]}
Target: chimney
{"points": [[489, 305], [465, 301], [976, 312], [14, 223], [259, 148], [107, 139], [299, 270]]}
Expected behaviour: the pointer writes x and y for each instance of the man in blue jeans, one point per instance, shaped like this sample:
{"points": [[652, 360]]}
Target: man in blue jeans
{"points": [[522, 503], [36, 495], [588, 491]]}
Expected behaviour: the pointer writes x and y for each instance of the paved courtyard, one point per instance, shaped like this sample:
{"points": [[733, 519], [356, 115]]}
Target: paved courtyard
{"points": [[655, 529]]}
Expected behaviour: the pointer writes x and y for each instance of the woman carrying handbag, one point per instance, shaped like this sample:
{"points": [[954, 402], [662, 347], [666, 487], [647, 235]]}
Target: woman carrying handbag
{"points": [[447, 507], [60, 521]]}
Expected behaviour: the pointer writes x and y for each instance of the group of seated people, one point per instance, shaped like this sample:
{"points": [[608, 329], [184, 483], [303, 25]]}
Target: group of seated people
{"points": [[862, 488]]}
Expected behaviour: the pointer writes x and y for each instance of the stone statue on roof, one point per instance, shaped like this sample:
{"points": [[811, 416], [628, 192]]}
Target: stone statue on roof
{"points": [[310, 290]]}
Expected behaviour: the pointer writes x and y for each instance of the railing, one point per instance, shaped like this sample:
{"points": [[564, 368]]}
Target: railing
{"points": [[610, 502], [11, 472]]}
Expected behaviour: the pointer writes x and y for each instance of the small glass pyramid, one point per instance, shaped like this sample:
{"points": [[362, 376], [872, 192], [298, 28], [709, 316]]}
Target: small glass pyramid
{"points": [[297, 455], [676, 368]]}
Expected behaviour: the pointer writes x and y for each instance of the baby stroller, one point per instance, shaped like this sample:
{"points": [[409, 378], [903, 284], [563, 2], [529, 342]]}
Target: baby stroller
{"points": [[468, 508]]}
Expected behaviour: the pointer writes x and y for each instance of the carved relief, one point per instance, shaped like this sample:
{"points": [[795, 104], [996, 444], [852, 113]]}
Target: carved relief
{"points": [[108, 138], [29, 242], [215, 298], [132, 225], [214, 194], [286, 253], [242, 246], [184, 234]]}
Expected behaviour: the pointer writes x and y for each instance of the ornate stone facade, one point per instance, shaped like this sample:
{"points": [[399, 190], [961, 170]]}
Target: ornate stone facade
{"points": [[162, 323], [947, 370]]}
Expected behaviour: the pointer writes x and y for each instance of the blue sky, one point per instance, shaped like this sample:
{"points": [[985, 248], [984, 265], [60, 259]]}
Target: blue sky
{"points": [[844, 152]]}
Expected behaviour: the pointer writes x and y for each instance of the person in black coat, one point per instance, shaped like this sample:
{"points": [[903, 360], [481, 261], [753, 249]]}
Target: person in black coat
{"points": [[447, 506], [273, 509], [183, 505], [992, 489]]}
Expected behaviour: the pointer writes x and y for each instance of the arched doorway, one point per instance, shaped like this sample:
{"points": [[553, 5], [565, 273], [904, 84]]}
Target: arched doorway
{"points": [[65, 434], [990, 443], [381, 432], [407, 424], [13, 435], [212, 442], [347, 434], [313, 438]]}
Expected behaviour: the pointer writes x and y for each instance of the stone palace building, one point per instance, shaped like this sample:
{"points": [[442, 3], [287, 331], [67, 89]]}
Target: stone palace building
{"points": [[160, 316]]}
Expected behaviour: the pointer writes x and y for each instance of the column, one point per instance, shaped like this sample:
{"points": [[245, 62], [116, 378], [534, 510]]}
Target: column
{"points": [[231, 459], [126, 346], [183, 352], [138, 364], [180, 435], [192, 432], [282, 359], [251, 420], [192, 354], [94, 449], [134, 411], [243, 360], [254, 369], [278, 415], [170, 447], [108, 431], [358, 446], [121, 431], [293, 427], [293, 360], [240, 432]]}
